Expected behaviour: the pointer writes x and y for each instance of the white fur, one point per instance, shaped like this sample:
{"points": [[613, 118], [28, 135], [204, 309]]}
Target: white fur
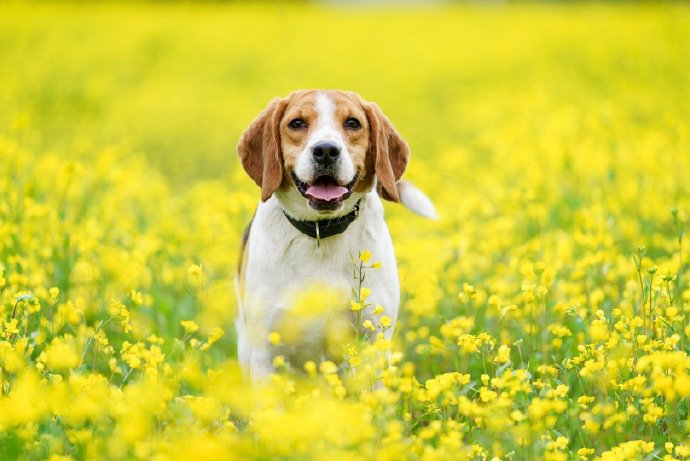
{"points": [[327, 129], [416, 200], [282, 260]]}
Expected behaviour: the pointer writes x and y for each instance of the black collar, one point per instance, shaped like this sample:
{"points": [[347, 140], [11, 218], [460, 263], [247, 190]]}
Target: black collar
{"points": [[325, 227]]}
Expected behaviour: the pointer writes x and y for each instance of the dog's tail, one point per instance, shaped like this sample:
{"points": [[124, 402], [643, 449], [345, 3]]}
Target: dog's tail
{"points": [[415, 200]]}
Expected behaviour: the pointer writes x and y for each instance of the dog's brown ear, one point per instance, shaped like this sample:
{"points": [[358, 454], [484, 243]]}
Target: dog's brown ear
{"points": [[391, 152], [259, 148]]}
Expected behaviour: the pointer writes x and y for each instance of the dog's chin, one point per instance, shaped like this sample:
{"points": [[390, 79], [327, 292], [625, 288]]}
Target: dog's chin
{"points": [[324, 206], [325, 193]]}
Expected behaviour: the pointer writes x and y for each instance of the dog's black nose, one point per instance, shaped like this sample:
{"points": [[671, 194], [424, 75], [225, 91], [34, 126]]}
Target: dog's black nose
{"points": [[326, 153]]}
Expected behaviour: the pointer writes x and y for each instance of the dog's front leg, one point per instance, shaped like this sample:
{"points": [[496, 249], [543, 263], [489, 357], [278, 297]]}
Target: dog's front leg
{"points": [[260, 364]]}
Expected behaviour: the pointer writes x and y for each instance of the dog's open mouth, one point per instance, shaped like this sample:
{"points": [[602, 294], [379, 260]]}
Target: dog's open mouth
{"points": [[325, 193]]}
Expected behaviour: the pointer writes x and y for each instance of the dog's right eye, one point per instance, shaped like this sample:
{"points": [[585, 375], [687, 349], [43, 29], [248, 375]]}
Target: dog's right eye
{"points": [[297, 124]]}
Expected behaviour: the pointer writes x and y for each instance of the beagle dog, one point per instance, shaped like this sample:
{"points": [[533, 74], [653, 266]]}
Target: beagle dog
{"points": [[323, 160]]}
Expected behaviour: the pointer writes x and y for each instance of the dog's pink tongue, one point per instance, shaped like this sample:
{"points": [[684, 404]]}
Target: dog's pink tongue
{"points": [[326, 192]]}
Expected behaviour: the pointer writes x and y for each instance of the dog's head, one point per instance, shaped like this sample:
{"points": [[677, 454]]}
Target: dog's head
{"points": [[319, 151]]}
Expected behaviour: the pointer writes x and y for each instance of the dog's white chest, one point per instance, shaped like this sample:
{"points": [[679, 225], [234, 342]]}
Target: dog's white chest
{"points": [[285, 268]]}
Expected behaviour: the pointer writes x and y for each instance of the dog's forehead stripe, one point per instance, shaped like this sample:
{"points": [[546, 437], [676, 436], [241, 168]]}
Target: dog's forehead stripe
{"points": [[325, 107], [326, 125]]}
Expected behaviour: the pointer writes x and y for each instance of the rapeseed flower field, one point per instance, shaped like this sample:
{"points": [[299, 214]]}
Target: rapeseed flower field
{"points": [[544, 316]]}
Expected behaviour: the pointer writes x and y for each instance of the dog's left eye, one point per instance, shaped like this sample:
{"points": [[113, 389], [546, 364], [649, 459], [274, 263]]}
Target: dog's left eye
{"points": [[297, 124], [352, 124]]}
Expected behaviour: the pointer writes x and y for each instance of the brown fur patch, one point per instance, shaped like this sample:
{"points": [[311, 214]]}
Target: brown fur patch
{"points": [[243, 246], [389, 150], [302, 105], [242, 257], [349, 105], [259, 148]]}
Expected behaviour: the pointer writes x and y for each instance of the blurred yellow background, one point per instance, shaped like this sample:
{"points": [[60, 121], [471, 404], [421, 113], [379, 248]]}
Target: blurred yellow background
{"points": [[178, 82]]}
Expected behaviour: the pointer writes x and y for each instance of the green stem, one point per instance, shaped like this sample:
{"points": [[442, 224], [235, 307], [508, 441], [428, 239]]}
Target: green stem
{"points": [[102, 324]]}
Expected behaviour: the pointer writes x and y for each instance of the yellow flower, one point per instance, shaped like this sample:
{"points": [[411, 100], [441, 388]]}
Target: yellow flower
{"points": [[190, 326], [54, 292], [487, 395], [365, 256], [682, 450], [584, 401], [385, 321], [136, 297], [327, 367], [62, 354], [584, 453], [562, 443], [279, 361], [671, 312], [10, 328], [517, 416], [355, 306], [112, 365], [195, 272], [214, 335], [503, 355], [598, 331], [310, 367]]}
